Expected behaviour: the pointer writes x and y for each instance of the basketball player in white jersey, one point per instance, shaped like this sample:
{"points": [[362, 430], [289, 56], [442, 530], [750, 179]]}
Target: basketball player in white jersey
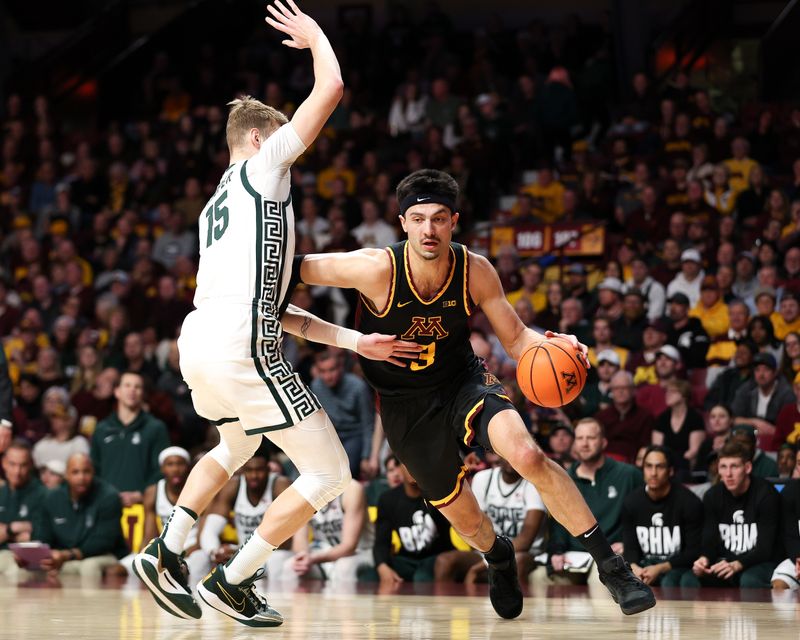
{"points": [[247, 496], [515, 509], [342, 539], [159, 500], [230, 352]]}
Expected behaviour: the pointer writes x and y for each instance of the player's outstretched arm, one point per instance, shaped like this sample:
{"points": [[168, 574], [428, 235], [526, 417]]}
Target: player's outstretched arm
{"points": [[367, 270], [487, 292], [375, 346], [305, 33]]}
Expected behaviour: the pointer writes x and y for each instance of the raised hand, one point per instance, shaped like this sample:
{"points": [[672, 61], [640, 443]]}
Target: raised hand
{"points": [[302, 29], [377, 346]]}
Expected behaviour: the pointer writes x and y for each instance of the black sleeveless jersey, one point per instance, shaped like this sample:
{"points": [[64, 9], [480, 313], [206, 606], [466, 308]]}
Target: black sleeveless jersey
{"points": [[440, 324]]}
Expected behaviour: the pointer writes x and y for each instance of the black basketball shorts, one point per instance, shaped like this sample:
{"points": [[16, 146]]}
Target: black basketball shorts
{"points": [[425, 431]]}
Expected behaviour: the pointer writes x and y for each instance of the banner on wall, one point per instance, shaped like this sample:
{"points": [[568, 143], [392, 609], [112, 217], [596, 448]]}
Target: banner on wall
{"points": [[571, 239]]}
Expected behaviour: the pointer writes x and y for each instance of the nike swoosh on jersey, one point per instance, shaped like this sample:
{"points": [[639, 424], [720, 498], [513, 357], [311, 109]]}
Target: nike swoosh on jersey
{"points": [[403, 304]]}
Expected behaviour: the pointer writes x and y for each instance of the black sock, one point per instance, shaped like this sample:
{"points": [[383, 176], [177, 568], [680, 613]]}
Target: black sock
{"points": [[500, 552], [595, 542]]}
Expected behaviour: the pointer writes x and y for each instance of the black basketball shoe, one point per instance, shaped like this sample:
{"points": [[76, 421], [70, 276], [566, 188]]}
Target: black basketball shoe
{"points": [[631, 594], [165, 574], [504, 590], [242, 602]]}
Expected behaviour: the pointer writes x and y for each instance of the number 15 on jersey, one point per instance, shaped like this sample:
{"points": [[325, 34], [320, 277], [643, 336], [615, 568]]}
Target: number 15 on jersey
{"points": [[217, 215]]}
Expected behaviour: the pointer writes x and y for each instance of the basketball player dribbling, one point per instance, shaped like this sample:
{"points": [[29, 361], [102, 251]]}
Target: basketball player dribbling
{"points": [[425, 289], [230, 347]]}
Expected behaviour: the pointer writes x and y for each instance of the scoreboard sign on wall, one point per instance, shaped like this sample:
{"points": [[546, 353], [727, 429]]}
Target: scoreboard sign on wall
{"points": [[572, 239]]}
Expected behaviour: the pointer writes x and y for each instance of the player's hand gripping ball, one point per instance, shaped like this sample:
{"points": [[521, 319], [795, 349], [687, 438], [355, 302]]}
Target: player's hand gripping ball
{"points": [[550, 373]]}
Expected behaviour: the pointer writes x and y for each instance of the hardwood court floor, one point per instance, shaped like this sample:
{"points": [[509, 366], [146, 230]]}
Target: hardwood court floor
{"points": [[92, 611]]}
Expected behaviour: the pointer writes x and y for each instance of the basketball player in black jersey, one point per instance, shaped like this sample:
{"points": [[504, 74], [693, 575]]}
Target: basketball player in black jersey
{"points": [[425, 289]]}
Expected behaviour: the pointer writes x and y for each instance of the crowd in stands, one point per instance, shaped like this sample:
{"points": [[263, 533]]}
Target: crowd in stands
{"points": [[692, 313]]}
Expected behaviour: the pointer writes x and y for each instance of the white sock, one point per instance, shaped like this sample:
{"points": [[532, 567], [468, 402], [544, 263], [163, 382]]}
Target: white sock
{"points": [[249, 559], [177, 528]]}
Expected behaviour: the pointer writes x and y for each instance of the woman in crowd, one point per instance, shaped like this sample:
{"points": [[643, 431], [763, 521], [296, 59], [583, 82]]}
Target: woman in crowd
{"points": [[762, 333], [720, 422], [680, 427], [790, 364]]}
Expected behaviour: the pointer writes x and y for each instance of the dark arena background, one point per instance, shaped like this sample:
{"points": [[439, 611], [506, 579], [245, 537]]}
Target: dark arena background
{"points": [[631, 170]]}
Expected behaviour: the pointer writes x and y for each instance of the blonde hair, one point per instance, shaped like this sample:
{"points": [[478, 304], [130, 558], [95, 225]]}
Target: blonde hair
{"points": [[248, 113], [594, 421]]}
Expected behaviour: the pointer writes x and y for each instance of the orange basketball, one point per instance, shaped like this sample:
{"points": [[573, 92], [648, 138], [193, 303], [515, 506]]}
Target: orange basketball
{"points": [[550, 373]]}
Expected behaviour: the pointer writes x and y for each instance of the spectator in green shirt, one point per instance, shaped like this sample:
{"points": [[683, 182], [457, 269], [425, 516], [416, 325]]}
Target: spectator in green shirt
{"points": [[604, 483], [81, 522], [20, 501], [126, 444]]}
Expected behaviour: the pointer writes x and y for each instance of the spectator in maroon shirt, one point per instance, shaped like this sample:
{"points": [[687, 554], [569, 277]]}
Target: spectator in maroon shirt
{"points": [[646, 223], [96, 404], [628, 426], [670, 262], [168, 310]]}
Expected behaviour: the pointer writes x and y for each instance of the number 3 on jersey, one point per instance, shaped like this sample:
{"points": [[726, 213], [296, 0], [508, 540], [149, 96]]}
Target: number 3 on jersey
{"points": [[217, 215], [426, 357]]}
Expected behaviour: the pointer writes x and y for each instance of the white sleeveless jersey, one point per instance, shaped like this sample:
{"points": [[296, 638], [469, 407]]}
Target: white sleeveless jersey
{"points": [[246, 516], [507, 504], [326, 527], [164, 510], [246, 248]]}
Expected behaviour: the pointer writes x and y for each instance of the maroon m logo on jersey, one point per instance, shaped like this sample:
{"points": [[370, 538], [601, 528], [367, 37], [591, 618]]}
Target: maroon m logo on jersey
{"points": [[425, 327]]}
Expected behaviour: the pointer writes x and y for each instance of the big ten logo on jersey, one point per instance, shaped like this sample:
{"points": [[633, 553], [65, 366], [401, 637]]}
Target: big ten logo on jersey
{"points": [[740, 536], [658, 540], [507, 519], [420, 534]]}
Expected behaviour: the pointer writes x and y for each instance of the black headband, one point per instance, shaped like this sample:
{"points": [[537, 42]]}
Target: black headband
{"points": [[424, 198]]}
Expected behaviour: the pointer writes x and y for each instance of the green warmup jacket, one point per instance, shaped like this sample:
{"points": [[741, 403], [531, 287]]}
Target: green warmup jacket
{"points": [[127, 457], [91, 525], [22, 505], [612, 483]]}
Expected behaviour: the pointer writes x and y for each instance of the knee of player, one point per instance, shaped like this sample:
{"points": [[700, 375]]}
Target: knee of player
{"points": [[528, 461], [339, 477], [345, 478]]}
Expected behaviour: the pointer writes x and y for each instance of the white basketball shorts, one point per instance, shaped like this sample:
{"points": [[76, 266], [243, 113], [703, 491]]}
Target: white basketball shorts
{"points": [[235, 375]]}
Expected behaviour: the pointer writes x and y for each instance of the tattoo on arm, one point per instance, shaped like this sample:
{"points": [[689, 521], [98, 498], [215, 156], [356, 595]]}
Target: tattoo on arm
{"points": [[304, 328]]}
